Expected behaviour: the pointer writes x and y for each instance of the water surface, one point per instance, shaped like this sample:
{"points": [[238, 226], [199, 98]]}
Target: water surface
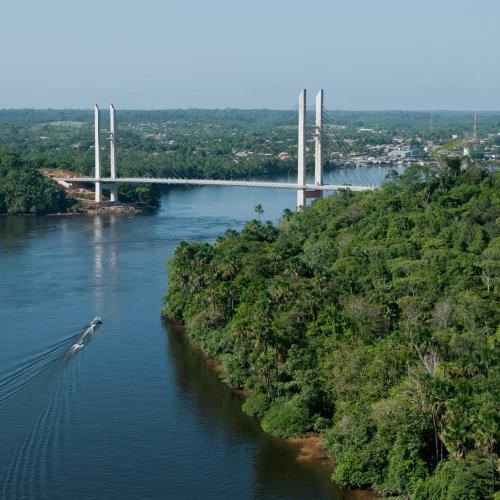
{"points": [[136, 414]]}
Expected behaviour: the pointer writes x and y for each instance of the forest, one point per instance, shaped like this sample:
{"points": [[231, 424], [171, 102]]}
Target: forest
{"points": [[370, 319], [24, 190], [226, 143]]}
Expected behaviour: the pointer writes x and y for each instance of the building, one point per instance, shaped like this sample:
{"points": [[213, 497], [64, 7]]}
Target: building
{"points": [[399, 154]]}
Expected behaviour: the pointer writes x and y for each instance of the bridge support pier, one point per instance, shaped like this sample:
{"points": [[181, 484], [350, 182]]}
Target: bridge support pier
{"points": [[114, 188], [97, 147]]}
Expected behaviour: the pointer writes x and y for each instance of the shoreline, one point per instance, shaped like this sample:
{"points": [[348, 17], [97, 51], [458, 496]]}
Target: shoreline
{"points": [[117, 209], [310, 449]]}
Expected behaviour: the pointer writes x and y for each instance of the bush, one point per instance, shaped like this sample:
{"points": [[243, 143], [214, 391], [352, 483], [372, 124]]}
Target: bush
{"points": [[466, 480], [256, 405], [350, 471], [147, 195], [406, 466], [286, 418]]}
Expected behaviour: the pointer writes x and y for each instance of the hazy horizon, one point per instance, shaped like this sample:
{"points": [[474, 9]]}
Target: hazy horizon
{"points": [[367, 56], [104, 107]]}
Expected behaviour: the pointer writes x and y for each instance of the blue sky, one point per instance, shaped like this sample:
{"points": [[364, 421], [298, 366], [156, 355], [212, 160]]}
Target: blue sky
{"points": [[366, 54]]}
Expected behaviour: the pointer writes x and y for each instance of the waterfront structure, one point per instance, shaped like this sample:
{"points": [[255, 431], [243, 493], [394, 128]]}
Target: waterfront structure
{"points": [[114, 189], [97, 149], [304, 189]]}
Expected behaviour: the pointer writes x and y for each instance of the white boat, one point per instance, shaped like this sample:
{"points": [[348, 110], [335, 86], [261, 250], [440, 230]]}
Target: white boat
{"points": [[89, 329]]}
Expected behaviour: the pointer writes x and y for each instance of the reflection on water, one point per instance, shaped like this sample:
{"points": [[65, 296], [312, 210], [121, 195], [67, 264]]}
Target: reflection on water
{"points": [[98, 249]]}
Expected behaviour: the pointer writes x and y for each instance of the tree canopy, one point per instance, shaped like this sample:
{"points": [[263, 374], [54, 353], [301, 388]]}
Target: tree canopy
{"points": [[370, 318], [24, 190]]}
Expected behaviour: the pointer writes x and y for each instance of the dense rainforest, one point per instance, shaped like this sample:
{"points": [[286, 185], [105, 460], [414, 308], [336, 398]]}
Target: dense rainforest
{"points": [[369, 318], [24, 190]]}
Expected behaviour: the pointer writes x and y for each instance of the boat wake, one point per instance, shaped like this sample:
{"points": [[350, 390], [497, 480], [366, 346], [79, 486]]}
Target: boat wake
{"points": [[40, 367], [22, 388]]}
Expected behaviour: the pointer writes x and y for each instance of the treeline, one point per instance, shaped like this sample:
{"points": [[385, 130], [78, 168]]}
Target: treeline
{"points": [[371, 319], [24, 190], [222, 144], [488, 121]]}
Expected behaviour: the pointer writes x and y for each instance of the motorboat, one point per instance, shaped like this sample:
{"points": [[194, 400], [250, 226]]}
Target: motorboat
{"points": [[96, 322], [89, 329], [93, 325]]}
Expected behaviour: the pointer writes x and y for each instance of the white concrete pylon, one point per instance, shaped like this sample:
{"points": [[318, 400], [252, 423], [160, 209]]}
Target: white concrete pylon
{"points": [[318, 139], [301, 151], [114, 189], [97, 147]]}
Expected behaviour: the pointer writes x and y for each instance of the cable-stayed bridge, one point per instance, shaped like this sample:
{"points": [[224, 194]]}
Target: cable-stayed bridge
{"points": [[308, 134]]}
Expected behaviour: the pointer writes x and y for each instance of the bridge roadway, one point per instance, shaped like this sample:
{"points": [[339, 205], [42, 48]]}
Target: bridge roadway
{"points": [[210, 182]]}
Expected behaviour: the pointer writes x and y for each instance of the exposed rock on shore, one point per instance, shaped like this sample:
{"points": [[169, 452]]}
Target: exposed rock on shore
{"points": [[107, 207]]}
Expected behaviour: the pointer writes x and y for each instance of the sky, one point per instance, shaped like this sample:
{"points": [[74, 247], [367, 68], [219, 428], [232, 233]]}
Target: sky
{"points": [[158, 54]]}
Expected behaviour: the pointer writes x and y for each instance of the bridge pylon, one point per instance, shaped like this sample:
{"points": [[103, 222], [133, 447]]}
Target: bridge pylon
{"points": [[114, 188], [97, 147], [301, 151], [304, 193], [318, 138]]}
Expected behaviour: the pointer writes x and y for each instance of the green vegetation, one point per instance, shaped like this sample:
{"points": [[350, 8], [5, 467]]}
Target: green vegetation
{"points": [[228, 143], [369, 318], [146, 195], [24, 190]]}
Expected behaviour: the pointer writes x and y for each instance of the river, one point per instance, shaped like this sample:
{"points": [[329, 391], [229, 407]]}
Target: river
{"points": [[136, 414]]}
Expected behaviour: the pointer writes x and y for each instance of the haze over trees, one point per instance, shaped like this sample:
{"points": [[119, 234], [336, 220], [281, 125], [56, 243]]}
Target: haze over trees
{"points": [[221, 144], [371, 319]]}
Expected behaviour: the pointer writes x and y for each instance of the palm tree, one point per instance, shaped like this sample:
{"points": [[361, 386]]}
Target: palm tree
{"points": [[259, 210]]}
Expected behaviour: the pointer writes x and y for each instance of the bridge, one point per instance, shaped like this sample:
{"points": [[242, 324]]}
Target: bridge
{"points": [[304, 189], [214, 182]]}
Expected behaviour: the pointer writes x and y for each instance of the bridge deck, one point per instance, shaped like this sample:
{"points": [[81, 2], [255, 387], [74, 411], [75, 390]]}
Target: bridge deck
{"points": [[210, 182]]}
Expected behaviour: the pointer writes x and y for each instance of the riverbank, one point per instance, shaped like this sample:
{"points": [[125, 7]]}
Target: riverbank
{"points": [[310, 445], [309, 448], [93, 208], [89, 209]]}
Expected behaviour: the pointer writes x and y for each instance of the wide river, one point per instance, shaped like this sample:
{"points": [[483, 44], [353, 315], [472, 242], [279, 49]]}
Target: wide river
{"points": [[136, 414]]}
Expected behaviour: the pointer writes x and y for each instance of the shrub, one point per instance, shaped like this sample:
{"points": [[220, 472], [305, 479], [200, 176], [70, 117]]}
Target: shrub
{"points": [[286, 418], [256, 405], [466, 480]]}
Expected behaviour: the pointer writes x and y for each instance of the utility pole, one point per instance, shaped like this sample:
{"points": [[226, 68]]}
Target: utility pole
{"points": [[301, 151], [97, 146], [114, 189]]}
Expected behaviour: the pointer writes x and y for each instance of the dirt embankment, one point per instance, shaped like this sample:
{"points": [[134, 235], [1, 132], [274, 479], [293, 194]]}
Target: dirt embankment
{"points": [[310, 448], [93, 208], [84, 194]]}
